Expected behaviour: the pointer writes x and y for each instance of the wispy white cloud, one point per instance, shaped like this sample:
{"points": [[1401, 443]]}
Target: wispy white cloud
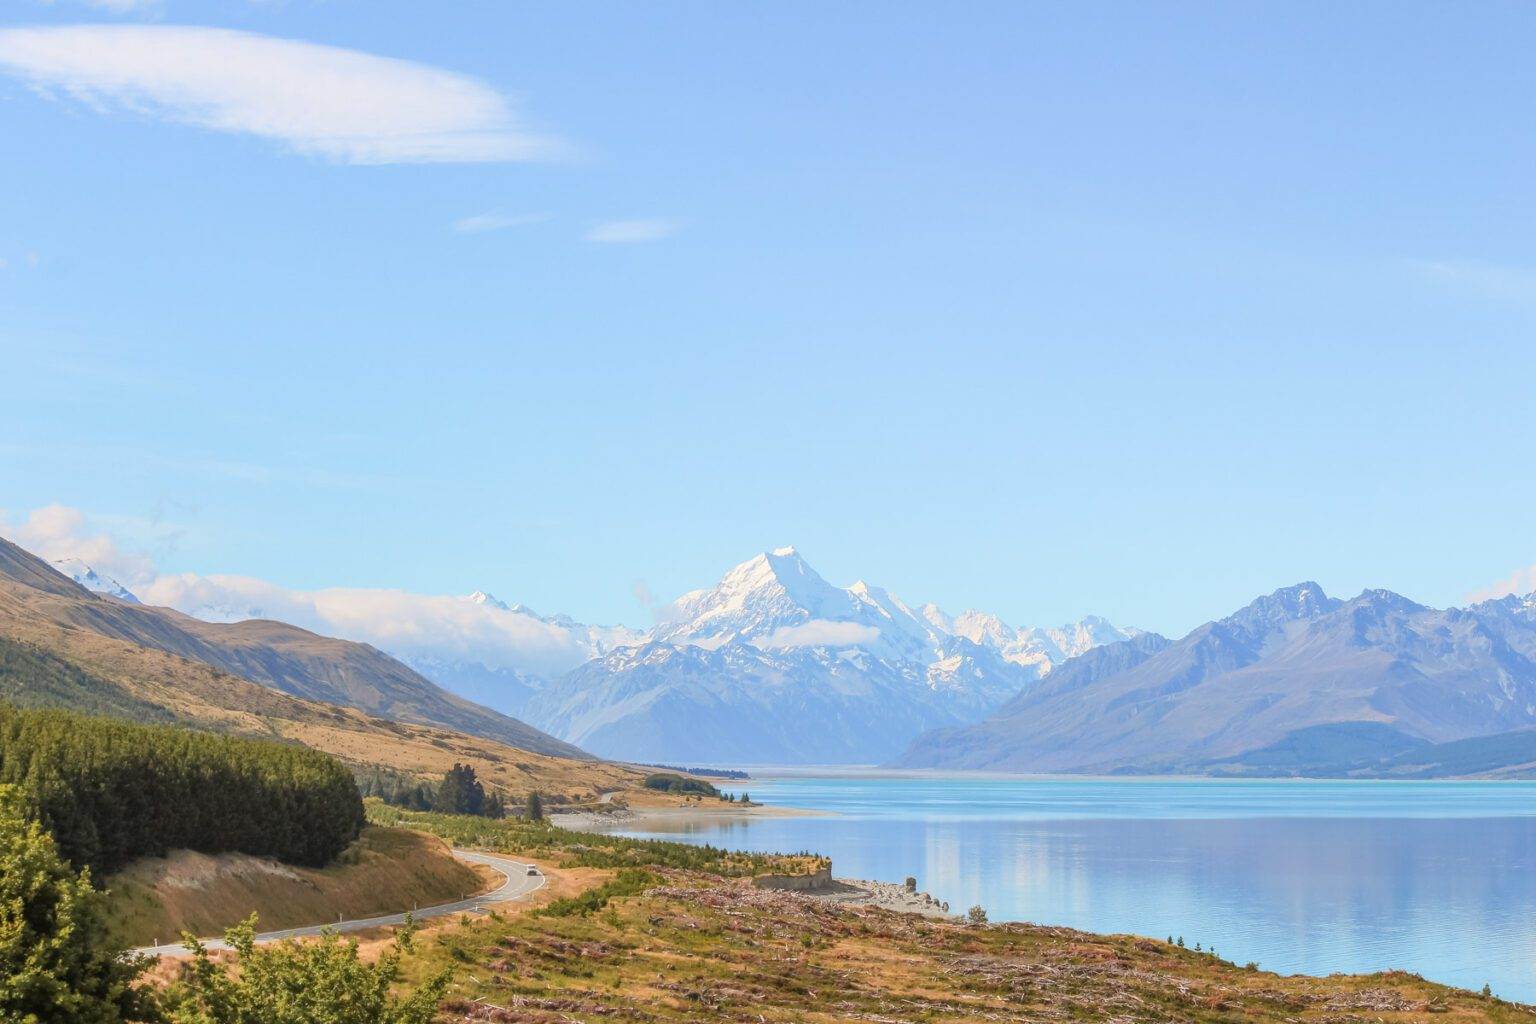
{"points": [[403, 623], [125, 6], [119, 6], [31, 260], [58, 531], [627, 231], [819, 633], [1502, 282], [1521, 581], [496, 222], [325, 101]]}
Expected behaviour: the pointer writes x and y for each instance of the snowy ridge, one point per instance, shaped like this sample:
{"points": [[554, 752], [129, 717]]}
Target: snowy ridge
{"points": [[1293, 683], [93, 581]]}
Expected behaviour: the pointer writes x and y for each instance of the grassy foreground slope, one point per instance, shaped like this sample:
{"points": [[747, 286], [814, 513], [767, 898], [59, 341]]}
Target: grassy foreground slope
{"points": [[385, 871], [675, 933]]}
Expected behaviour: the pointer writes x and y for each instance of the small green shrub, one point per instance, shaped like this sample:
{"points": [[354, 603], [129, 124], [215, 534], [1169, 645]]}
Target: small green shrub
{"points": [[671, 782], [629, 882]]}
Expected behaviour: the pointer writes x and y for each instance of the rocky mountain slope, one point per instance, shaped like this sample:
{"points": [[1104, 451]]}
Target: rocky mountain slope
{"points": [[1250, 692], [34, 595], [776, 665]]}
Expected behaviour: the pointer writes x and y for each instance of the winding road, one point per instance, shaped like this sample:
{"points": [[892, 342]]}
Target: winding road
{"points": [[516, 884]]}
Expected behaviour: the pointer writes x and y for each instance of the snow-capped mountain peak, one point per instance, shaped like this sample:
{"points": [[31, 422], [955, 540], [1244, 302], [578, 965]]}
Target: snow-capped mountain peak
{"points": [[982, 628], [773, 663], [937, 618], [94, 581], [481, 597], [770, 591], [777, 600]]}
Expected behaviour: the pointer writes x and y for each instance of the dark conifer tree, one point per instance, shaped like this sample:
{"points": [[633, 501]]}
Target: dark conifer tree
{"points": [[111, 791], [460, 792]]}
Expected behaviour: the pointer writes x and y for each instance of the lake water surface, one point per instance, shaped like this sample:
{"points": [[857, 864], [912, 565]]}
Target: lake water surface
{"points": [[1301, 876]]}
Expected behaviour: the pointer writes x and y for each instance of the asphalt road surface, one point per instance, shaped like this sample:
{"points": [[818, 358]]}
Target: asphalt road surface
{"points": [[516, 883]]}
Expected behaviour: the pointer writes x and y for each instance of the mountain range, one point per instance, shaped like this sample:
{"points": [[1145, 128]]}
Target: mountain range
{"points": [[773, 664], [776, 665], [1296, 682]]}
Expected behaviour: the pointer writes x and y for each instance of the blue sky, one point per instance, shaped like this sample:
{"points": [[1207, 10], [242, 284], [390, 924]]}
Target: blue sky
{"points": [[1137, 310]]}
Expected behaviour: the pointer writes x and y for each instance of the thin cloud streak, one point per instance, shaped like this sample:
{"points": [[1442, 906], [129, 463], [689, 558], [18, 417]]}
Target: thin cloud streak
{"points": [[323, 101], [482, 222], [1503, 283], [624, 232]]}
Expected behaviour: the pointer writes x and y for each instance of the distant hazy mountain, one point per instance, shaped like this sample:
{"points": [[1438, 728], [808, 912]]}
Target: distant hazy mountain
{"points": [[775, 664], [506, 689], [93, 581], [591, 640], [1038, 649], [1296, 682]]}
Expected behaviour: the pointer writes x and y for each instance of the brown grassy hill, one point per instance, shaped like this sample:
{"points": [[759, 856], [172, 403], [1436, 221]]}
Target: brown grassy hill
{"points": [[275, 654]]}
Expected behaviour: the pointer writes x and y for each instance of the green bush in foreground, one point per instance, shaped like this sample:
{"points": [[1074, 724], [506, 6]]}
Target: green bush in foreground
{"points": [[630, 882], [321, 982], [56, 962]]}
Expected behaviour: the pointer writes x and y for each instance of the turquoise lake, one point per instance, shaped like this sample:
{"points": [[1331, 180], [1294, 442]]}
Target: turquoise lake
{"points": [[1438, 878]]}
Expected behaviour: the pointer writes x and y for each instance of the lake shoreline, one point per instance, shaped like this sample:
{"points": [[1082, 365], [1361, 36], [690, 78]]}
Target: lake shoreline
{"points": [[674, 818], [1278, 872], [865, 892]]}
